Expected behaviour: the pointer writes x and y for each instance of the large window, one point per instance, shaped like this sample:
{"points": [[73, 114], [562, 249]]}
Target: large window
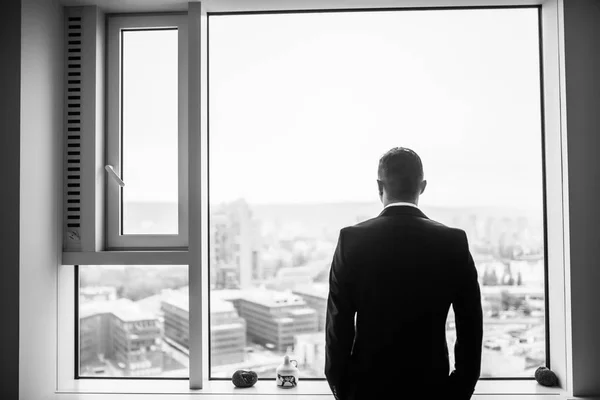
{"points": [[301, 107], [213, 248]]}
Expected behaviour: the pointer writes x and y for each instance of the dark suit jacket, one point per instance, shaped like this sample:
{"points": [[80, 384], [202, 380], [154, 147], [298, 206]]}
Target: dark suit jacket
{"points": [[398, 274]]}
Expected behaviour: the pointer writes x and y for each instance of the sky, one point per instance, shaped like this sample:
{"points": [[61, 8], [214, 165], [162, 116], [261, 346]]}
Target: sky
{"points": [[302, 106], [150, 116]]}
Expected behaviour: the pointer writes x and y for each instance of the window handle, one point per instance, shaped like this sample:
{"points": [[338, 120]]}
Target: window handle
{"points": [[114, 175]]}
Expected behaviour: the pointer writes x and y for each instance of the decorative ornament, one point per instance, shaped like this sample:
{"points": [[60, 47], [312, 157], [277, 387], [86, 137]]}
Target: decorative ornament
{"points": [[244, 379], [287, 373], [546, 377]]}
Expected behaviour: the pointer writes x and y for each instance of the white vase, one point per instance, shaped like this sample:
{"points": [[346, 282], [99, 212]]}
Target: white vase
{"points": [[287, 373]]}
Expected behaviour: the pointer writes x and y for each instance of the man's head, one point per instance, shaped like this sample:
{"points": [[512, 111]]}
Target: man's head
{"points": [[400, 176]]}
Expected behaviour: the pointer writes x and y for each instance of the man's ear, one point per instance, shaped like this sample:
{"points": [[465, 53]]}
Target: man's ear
{"points": [[380, 187], [423, 186]]}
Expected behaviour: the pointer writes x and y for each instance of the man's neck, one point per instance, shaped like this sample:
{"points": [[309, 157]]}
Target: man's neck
{"points": [[409, 203]]}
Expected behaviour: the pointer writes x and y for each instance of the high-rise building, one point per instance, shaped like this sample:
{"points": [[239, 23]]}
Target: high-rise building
{"points": [[233, 246], [275, 318], [122, 333], [227, 329]]}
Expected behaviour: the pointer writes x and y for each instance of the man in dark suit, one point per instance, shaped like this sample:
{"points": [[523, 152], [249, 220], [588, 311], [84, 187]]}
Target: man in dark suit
{"points": [[392, 281]]}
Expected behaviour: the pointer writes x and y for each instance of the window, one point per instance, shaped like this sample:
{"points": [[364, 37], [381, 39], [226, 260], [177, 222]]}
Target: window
{"points": [[133, 321], [280, 154], [297, 122], [147, 132]]}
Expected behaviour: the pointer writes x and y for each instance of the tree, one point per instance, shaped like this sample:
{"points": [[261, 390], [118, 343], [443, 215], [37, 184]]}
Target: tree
{"points": [[510, 301], [489, 277], [485, 281]]}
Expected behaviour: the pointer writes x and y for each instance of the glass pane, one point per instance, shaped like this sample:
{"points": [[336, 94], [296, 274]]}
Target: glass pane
{"points": [[133, 321], [150, 132], [298, 122]]}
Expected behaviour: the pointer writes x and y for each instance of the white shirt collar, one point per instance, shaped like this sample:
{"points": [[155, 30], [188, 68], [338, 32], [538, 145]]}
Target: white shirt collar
{"points": [[401, 203]]}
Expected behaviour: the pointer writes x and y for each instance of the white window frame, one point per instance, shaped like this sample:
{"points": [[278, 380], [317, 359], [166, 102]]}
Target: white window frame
{"points": [[114, 238], [555, 151]]}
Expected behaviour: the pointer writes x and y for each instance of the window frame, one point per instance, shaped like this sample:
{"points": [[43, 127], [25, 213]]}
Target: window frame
{"points": [[116, 24], [206, 138], [557, 244]]}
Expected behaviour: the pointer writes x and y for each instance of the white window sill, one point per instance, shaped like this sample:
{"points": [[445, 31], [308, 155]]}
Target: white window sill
{"points": [[87, 389]]}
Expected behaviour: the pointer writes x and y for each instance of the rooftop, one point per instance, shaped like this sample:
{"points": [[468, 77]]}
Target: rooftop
{"points": [[124, 309], [224, 327], [301, 311], [320, 290], [227, 294], [272, 298], [177, 299], [98, 290], [180, 299]]}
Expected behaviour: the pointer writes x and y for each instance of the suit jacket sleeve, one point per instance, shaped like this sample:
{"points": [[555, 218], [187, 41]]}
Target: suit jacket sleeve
{"points": [[339, 327], [469, 327]]}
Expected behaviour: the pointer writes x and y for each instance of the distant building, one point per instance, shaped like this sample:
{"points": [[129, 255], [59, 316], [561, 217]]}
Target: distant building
{"points": [[309, 351], [94, 337], [289, 278], [275, 318], [227, 329], [119, 331], [233, 246], [227, 334], [315, 296], [175, 310], [97, 293]]}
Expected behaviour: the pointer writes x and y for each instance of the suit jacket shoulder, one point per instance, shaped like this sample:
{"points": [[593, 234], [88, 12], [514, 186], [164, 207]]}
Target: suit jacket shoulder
{"points": [[382, 224]]}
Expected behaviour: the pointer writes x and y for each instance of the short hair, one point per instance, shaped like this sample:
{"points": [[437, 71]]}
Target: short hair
{"points": [[401, 172]]}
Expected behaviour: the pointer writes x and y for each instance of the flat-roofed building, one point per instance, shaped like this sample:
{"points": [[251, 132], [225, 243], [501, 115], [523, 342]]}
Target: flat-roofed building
{"points": [[175, 310], [97, 293], [227, 334], [120, 331], [94, 336], [315, 296], [275, 318], [227, 328], [136, 339]]}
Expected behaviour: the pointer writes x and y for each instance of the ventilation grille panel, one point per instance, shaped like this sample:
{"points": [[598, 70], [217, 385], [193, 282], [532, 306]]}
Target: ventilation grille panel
{"points": [[73, 129]]}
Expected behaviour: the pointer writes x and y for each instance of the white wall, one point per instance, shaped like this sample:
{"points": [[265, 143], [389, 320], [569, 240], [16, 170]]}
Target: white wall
{"points": [[41, 194], [10, 70], [582, 62]]}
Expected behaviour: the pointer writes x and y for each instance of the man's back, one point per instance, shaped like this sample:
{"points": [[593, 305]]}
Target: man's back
{"points": [[400, 273]]}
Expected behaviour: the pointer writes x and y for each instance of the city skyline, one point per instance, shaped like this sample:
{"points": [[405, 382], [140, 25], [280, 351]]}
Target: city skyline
{"points": [[284, 252]]}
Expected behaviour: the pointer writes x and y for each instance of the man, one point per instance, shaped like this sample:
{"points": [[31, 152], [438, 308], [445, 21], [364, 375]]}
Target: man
{"points": [[398, 274]]}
